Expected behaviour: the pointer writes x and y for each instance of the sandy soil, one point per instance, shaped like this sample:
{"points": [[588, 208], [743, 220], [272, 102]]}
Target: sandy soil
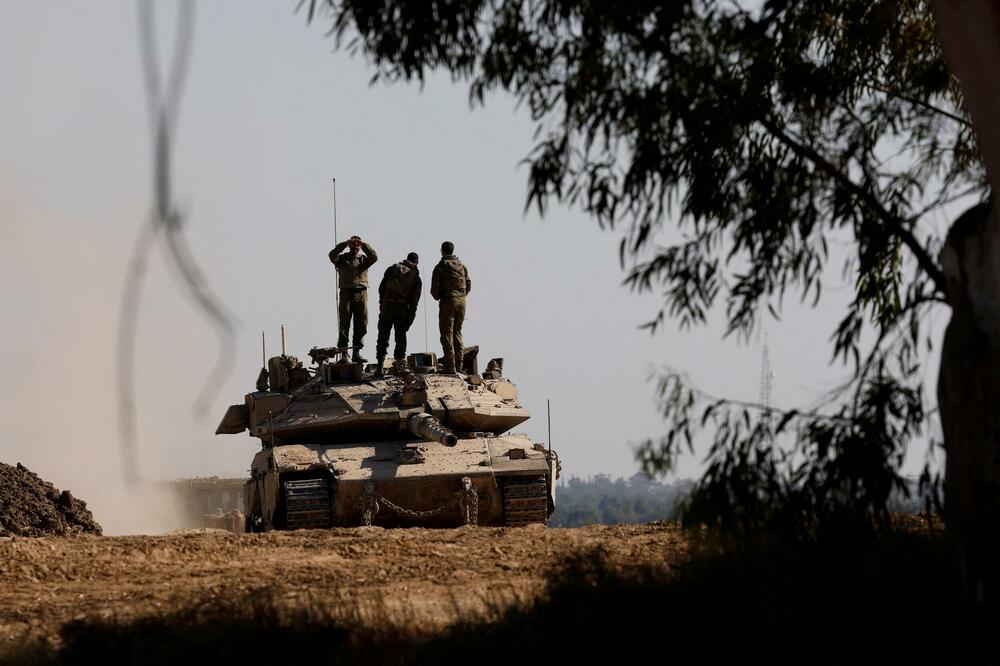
{"points": [[417, 575]]}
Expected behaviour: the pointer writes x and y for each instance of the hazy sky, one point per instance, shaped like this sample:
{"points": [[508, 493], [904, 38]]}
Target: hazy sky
{"points": [[270, 115]]}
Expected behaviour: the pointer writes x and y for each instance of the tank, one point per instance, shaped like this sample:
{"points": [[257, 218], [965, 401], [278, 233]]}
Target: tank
{"points": [[342, 446]]}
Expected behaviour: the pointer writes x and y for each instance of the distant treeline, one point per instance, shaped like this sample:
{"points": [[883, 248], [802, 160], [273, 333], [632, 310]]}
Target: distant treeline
{"points": [[639, 499], [601, 500]]}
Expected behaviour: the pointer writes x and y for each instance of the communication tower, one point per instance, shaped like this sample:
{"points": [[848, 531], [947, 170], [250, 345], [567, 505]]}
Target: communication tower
{"points": [[766, 385]]}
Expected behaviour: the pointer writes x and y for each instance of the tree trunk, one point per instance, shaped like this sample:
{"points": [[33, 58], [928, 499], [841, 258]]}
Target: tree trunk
{"points": [[969, 379], [969, 400]]}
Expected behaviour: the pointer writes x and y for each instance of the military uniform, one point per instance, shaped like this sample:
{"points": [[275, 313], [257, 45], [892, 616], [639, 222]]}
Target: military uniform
{"points": [[352, 270], [450, 284], [398, 294]]}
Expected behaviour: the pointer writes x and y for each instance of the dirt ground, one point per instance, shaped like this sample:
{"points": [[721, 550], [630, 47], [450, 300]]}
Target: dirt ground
{"points": [[413, 575]]}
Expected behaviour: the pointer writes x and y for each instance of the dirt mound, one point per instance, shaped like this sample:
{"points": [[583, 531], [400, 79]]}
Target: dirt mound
{"points": [[32, 507]]}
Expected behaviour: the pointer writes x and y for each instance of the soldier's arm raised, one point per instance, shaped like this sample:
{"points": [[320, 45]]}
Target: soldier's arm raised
{"points": [[370, 255], [335, 252]]}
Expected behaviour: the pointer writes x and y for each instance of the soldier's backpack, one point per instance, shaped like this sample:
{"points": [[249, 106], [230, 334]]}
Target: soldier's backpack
{"points": [[399, 282], [452, 275]]}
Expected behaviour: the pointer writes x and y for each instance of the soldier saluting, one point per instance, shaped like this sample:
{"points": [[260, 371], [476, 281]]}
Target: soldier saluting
{"points": [[450, 284], [398, 296], [352, 271]]}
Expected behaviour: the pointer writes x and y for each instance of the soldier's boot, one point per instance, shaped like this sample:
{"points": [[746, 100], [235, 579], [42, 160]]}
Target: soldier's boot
{"points": [[449, 369], [358, 358], [379, 367]]}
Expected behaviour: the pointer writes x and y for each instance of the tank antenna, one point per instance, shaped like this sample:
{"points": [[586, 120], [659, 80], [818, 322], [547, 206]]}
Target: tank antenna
{"points": [[548, 412], [263, 350], [282, 339], [336, 275], [427, 344]]}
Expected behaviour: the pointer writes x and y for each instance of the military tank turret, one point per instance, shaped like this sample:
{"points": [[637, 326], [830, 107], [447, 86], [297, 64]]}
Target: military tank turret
{"points": [[343, 446]]}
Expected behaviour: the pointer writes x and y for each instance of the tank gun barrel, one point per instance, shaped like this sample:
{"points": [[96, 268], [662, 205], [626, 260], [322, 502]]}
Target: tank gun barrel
{"points": [[427, 427]]}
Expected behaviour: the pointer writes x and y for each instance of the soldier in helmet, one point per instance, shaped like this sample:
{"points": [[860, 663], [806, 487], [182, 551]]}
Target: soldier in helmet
{"points": [[352, 270], [450, 284], [398, 296]]}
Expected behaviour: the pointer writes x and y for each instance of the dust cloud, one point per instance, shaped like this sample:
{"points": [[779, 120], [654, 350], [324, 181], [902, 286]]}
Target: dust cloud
{"points": [[63, 275]]}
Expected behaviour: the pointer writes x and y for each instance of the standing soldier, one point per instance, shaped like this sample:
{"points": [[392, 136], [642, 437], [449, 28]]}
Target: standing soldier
{"points": [[398, 296], [352, 270], [450, 284]]}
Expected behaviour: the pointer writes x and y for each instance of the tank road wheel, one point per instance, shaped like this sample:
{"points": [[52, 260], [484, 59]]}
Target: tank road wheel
{"points": [[525, 500], [307, 504]]}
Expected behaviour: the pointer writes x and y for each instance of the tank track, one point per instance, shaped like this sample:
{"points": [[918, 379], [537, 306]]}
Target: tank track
{"points": [[525, 501], [307, 504]]}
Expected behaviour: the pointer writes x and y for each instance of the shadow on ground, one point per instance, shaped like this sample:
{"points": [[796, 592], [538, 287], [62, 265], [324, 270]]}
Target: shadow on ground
{"points": [[887, 602]]}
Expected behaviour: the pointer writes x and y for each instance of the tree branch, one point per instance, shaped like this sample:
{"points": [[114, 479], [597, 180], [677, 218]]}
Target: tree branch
{"points": [[894, 222], [924, 104]]}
